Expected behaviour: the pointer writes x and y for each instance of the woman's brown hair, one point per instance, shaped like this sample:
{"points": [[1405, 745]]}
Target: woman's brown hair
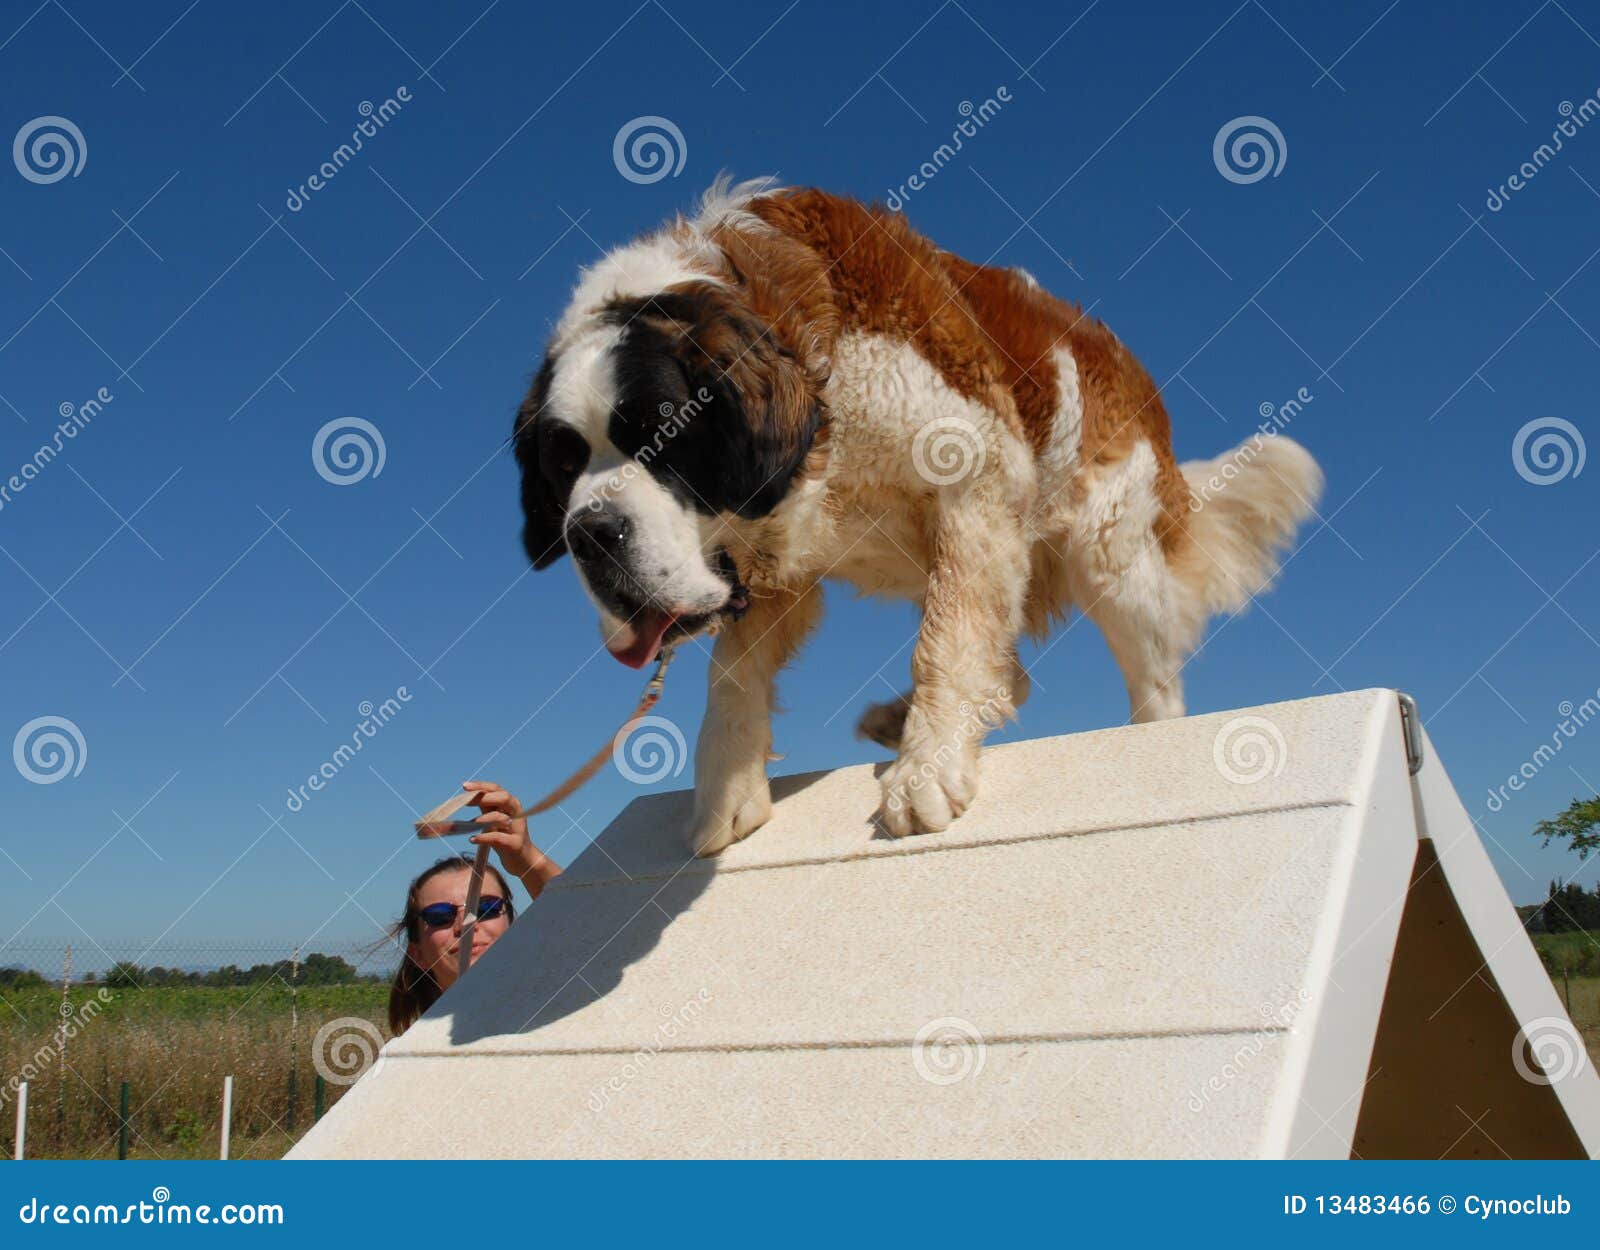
{"points": [[414, 990]]}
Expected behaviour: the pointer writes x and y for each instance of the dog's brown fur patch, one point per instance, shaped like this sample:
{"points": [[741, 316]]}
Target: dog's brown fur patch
{"points": [[988, 331], [887, 279]]}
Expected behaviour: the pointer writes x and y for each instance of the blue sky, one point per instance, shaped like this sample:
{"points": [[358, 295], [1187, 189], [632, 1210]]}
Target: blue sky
{"points": [[210, 613]]}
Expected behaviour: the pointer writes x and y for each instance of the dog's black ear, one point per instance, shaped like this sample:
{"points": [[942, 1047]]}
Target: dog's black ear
{"points": [[772, 419], [543, 516]]}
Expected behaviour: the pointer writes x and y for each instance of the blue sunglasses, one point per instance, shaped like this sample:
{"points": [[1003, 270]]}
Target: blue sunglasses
{"points": [[443, 915]]}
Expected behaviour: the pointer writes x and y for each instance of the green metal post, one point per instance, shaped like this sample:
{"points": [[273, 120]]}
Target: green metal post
{"points": [[122, 1123]]}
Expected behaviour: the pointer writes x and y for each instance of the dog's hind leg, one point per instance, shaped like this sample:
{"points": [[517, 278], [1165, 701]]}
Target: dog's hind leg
{"points": [[1135, 615], [731, 795], [1120, 579], [883, 723]]}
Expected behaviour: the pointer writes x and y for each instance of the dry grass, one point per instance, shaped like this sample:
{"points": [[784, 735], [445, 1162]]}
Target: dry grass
{"points": [[1584, 1010]]}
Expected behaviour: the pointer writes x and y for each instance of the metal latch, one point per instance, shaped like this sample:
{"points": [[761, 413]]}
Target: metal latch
{"points": [[1411, 730]]}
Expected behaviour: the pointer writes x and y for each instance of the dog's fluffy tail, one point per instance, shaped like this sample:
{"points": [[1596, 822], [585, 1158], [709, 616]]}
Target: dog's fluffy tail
{"points": [[1245, 507]]}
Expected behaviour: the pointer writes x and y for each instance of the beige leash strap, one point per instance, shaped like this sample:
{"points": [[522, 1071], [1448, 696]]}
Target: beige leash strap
{"points": [[469, 914], [437, 823]]}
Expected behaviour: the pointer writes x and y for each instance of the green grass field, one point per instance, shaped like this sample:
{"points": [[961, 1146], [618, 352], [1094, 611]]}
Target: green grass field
{"points": [[1578, 953]]}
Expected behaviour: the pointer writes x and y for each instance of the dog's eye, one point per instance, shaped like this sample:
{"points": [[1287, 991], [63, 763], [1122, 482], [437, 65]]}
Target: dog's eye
{"points": [[562, 452]]}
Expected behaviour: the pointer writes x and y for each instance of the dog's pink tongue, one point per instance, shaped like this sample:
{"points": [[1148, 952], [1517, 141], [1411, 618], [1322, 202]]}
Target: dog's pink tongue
{"points": [[648, 629]]}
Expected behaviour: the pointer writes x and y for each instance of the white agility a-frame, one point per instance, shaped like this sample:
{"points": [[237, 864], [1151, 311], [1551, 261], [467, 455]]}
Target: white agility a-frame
{"points": [[1268, 933]]}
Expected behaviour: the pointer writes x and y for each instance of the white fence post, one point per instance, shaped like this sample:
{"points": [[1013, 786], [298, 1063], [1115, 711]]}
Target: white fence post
{"points": [[227, 1113], [22, 1118]]}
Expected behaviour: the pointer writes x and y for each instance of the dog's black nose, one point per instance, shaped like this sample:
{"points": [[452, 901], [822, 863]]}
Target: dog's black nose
{"points": [[596, 533]]}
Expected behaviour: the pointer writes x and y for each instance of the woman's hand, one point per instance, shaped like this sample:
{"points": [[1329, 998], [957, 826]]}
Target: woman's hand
{"points": [[507, 832]]}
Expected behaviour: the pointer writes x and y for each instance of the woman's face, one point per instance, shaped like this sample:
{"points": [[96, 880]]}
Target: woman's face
{"points": [[435, 950]]}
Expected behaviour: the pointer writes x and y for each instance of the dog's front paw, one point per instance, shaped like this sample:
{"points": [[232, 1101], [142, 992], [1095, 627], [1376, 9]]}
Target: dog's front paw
{"points": [[924, 791], [713, 830]]}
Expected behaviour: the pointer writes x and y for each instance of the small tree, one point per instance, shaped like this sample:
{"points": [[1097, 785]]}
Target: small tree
{"points": [[123, 975], [1580, 824]]}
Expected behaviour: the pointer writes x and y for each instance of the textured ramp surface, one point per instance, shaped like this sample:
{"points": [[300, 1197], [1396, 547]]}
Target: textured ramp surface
{"points": [[1123, 949]]}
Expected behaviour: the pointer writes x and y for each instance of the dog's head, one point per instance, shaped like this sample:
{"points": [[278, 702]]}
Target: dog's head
{"points": [[654, 425]]}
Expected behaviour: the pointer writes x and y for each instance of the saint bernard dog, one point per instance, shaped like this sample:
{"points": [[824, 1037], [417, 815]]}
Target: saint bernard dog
{"points": [[791, 386]]}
